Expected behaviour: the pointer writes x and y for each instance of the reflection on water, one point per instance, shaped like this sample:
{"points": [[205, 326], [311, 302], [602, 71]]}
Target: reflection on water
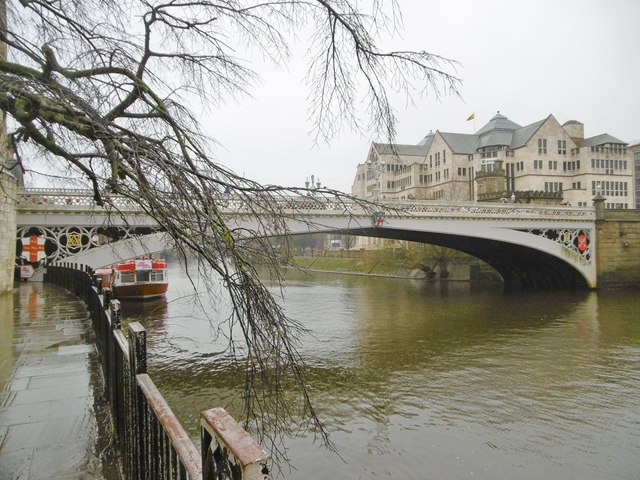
{"points": [[419, 380]]}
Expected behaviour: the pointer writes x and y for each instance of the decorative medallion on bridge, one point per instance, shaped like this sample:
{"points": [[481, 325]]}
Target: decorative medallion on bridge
{"points": [[378, 219], [74, 240], [33, 248], [583, 242], [576, 240]]}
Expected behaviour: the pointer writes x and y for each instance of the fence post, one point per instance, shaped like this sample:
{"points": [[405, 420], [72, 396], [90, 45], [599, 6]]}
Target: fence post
{"points": [[110, 356], [107, 295], [139, 426], [228, 451], [116, 314]]}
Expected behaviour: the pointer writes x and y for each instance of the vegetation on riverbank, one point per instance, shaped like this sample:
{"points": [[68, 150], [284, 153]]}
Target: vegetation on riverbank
{"points": [[365, 265], [410, 261]]}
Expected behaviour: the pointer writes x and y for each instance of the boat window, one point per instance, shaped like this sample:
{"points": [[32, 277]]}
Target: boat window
{"points": [[142, 276], [127, 277], [157, 276]]}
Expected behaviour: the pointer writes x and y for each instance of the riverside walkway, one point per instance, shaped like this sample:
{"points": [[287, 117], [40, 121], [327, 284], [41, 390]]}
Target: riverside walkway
{"points": [[53, 419]]}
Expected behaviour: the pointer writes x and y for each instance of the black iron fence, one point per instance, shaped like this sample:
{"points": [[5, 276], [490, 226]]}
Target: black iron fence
{"points": [[151, 441]]}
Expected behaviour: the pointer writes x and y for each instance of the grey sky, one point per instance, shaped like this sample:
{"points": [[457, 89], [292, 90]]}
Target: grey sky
{"points": [[575, 59]]}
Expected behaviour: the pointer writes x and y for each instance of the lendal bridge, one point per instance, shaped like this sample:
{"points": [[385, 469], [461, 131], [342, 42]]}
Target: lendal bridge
{"points": [[531, 246]]}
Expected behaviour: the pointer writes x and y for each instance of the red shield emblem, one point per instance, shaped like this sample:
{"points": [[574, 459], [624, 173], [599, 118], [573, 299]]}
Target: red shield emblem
{"points": [[583, 242]]}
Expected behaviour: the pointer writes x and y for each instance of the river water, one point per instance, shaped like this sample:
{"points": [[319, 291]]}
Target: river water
{"points": [[428, 380]]}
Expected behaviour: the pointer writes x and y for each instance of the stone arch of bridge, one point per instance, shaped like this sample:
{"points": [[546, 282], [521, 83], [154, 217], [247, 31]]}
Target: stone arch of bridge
{"points": [[532, 264], [524, 261]]}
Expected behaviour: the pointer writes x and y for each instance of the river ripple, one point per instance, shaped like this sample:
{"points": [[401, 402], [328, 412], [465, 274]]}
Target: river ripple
{"points": [[419, 380]]}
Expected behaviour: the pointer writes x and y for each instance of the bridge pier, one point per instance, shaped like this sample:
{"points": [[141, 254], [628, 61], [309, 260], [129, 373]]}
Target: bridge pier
{"points": [[8, 225], [618, 253]]}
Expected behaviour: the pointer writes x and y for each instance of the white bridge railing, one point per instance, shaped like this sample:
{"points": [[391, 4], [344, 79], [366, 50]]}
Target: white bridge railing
{"points": [[61, 200]]}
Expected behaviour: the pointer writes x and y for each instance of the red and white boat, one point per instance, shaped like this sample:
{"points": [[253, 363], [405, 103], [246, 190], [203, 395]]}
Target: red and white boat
{"points": [[137, 279]]}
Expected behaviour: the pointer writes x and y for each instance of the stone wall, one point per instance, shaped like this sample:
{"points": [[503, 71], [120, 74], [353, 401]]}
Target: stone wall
{"points": [[7, 231], [7, 192], [619, 249]]}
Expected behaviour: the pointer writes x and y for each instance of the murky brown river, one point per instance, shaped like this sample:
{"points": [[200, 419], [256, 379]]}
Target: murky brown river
{"points": [[417, 380]]}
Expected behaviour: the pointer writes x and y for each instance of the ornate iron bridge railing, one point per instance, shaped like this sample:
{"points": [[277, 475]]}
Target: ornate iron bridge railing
{"points": [[40, 199]]}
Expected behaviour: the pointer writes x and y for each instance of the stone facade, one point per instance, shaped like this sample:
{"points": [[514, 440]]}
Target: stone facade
{"points": [[500, 160], [635, 149], [7, 231], [8, 186]]}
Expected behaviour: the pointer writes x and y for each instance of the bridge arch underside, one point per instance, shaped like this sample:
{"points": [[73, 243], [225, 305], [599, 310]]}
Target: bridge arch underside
{"points": [[521, 267]]}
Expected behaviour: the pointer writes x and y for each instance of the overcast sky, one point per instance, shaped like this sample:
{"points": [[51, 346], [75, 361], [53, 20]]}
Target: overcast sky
{"points": [[575, 59]]}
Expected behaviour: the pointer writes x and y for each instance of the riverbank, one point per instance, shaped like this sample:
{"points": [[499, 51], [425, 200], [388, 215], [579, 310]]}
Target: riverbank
{"points": [[464, 269], [374, 266]]}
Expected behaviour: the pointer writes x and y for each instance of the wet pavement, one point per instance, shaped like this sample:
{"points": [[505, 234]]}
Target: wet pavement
{"points": [[53, 418]]}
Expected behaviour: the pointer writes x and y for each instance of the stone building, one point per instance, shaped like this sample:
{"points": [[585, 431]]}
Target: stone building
{"points": [[635, 149], [544, 162]]}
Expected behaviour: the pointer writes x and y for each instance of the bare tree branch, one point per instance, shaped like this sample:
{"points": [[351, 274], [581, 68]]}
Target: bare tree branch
{"points": [[105, 85]]}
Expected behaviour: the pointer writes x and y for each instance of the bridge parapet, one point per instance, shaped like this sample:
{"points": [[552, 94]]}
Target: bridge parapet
{"points": [[41, 199], [61, 200]]}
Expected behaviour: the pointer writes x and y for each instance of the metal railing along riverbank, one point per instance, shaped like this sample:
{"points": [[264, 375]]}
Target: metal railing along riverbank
{"points": [[151, 441]]}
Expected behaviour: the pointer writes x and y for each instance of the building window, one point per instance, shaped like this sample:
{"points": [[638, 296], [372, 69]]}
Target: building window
{"points": [[562, 147], [537, 164], [553, 164], [489, 152], [542, 146], [552, 186], [487, 165]]}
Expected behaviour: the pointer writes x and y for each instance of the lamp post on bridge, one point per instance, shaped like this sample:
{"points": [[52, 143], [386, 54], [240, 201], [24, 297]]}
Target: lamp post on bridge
{"points": [[313, 183]]}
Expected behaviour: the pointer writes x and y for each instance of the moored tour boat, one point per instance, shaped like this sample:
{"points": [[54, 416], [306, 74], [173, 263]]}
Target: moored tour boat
{"points": [[136, 279]]}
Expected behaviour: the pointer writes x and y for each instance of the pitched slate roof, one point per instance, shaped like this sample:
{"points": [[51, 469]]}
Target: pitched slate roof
{"points": [[600, 140], [463, 143], [399, 149], [499, 131], [428, 139], [499, 137], [498, 122], [522, 136]]}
